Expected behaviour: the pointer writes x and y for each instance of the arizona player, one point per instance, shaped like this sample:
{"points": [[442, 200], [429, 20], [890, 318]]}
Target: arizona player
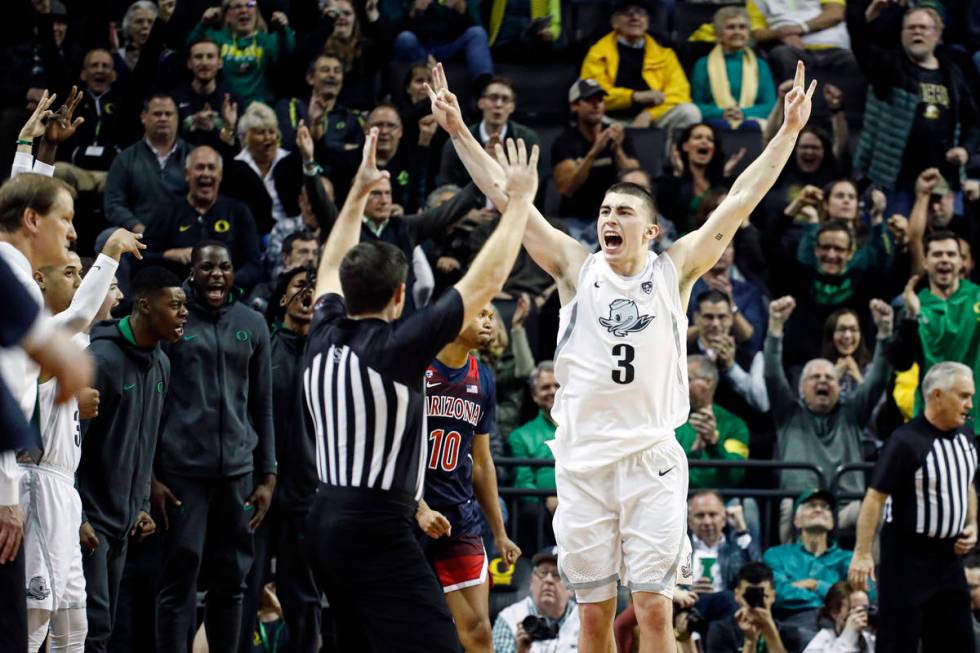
{"points": [[461, 408], [621, 476]]}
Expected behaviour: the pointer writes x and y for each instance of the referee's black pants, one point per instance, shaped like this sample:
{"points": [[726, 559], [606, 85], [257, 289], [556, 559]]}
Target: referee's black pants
{"points": [[383, 594], [13, 605], [208, 533], [282, 535], [922, 596]]}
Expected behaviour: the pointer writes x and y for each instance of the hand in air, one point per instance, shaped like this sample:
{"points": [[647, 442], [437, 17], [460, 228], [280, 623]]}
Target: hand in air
{"points": [[798, 102], [521, 172]]}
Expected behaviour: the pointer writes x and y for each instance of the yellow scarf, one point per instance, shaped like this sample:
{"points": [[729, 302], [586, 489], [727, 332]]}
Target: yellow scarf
{"points": [[721, 90], [539, 9]]}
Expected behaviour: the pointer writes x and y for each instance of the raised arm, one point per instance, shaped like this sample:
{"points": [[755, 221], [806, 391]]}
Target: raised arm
{"points": [[696, 253], [94, 287], [554, 251], [346, 231], [493, 264]]}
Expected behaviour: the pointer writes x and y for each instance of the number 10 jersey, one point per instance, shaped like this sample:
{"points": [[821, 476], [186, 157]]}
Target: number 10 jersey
{"points": [[621, 363]]}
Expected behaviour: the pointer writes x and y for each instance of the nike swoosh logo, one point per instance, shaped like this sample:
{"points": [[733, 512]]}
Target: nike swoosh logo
{"points": [[96, 267], [128, 386], [190, 337], [664, 472], [182, 228], [596, 284], [431, 385]]}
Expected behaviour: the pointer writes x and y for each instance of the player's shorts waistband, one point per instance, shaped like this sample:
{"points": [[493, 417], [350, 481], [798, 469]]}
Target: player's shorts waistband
{"points": [[365, 497], [53, 471]]}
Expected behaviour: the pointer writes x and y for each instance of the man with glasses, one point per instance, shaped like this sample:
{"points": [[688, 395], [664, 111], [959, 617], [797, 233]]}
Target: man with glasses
{"points": [[643, 80], [920, 113], [816, 424], [497, 103], [406, 163], [547, 614]]}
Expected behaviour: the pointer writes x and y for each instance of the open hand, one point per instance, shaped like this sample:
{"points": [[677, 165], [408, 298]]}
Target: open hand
{"points": [[521, 173], [862, 568]]}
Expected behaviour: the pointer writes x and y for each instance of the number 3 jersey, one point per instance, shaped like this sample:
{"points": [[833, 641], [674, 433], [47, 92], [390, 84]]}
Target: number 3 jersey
{"points": [[460, 403], [621, 363]]}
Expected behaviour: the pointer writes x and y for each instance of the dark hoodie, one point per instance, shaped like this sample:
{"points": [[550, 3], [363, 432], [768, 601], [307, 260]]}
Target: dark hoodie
{"points": [[295, 439], [217, 421], [117, 449]]}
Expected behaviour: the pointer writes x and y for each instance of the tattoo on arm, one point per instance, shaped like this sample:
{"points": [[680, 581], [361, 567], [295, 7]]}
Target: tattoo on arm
{"points": [[719, 236]]}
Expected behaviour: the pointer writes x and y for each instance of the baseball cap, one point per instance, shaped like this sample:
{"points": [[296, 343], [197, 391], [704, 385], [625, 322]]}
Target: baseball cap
{"points": [[547, 553], [942, 187], [815, 493], [584, 89], [622, 5]]}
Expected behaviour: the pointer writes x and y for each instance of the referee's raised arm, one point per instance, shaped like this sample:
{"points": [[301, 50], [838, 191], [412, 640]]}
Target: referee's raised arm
{"points": [[346, 232], [493, 264]]}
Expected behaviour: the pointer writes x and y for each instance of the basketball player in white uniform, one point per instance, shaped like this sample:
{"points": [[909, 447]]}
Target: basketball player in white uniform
{"points": [[50, 503], [621, 363]]}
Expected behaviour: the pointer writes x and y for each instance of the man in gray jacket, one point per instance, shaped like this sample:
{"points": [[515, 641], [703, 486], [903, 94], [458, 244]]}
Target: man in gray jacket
{"points": [[133, 376], [149, 172], [216, 461], [817, 425]]}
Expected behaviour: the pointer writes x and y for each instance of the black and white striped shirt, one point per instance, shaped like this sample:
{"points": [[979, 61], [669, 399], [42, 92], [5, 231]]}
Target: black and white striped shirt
{"points": [[364, 387], [927, 474]]}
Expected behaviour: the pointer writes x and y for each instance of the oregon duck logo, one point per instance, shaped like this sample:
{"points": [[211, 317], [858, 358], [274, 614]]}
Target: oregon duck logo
{"points": [[221, 226], [37, 589], [624, 318]]}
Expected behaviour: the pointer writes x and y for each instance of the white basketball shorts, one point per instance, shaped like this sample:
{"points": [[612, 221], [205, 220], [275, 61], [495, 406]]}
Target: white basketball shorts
{"points": [[626, 521], [53, 557]]}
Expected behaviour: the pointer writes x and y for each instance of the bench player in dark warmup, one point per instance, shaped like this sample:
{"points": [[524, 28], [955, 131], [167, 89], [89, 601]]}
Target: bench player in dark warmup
{"points": [[460, 406], [364, 386]]}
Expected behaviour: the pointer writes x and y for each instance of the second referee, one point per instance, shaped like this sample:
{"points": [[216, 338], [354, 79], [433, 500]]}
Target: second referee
{"points": [[924, 480]]}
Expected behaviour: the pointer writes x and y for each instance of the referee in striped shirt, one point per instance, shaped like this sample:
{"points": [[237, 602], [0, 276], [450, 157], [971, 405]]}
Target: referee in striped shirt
{"points": [[363, 380], [924, 480]]}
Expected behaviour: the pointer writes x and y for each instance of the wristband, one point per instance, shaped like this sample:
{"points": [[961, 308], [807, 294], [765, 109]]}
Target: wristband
{"points": [[24, 141]]}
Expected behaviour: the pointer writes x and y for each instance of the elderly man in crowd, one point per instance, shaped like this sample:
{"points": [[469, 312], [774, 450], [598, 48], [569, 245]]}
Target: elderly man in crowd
{"points": [[556, 622], [643, 80], [804, 570], [205, 214], [817, 425]]}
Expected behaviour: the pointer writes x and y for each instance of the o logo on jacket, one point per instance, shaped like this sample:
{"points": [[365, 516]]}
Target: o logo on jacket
{"points": [[221, 226], [241, 336]]}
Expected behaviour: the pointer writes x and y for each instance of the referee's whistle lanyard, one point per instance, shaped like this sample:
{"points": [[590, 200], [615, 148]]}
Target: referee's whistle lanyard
{"points": [[264, 636]]}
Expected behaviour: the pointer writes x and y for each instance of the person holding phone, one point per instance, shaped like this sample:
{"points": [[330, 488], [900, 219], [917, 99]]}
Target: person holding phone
{"points": [[753, 629]]}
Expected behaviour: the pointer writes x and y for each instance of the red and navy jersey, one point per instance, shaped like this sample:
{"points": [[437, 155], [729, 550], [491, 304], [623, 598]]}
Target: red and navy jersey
{"points": [[460, 403]]}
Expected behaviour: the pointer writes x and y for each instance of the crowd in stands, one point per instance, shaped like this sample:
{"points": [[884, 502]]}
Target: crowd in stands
{"points": [[226, 133]]}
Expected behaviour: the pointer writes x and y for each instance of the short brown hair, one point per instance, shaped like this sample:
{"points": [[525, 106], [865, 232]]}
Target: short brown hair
{"points": [[28, 191]]}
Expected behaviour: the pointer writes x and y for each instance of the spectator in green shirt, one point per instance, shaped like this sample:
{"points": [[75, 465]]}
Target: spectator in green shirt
{"points": [[248, 48], [711, 432], [732, 86], [805, 569], [530, 441]]}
